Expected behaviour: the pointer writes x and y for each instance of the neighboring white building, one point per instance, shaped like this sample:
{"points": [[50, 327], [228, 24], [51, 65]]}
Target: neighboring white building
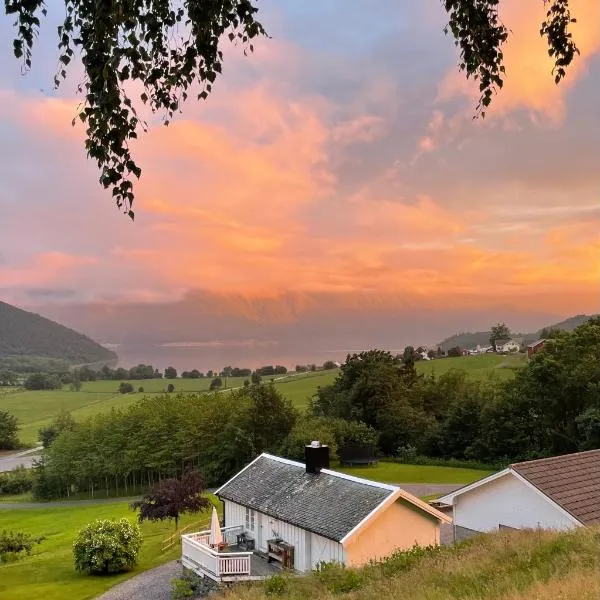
{"points": [[558, 493], [310, 515], [508, 346]]}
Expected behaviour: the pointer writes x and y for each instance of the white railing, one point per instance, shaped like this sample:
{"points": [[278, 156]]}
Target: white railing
{"points": [[197, 554]]}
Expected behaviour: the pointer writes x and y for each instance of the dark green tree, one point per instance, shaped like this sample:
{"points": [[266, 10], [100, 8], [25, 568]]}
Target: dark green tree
{"points": [[171, 498], [500, 331], [125, 387], [170, 373], [9, 429]]}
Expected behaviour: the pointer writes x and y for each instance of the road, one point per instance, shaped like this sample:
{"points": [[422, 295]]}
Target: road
{"points": [[9, 462]]}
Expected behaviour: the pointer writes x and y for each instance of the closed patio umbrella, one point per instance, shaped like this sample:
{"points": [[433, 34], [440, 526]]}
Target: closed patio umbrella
{"points": [[216, 537]]}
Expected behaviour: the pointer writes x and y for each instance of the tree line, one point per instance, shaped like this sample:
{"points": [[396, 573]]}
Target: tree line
{"points": [[552, 406]]}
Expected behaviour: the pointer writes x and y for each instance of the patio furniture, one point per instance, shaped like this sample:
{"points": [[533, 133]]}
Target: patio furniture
{"points": [[244, 542]]}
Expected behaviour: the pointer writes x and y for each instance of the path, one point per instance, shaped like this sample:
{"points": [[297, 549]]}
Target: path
{"points": [[154, 584], [26, 458]]}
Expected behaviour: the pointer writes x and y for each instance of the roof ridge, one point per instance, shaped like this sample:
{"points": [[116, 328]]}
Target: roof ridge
{"points": [[363, 481], [554, 458]]}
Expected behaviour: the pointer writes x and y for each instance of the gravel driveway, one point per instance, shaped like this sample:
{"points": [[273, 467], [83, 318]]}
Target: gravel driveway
{"points": [[154, 584]]}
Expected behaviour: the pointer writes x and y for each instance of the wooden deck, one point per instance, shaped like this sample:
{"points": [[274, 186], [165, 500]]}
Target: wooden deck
{"points": [[226, 566]]}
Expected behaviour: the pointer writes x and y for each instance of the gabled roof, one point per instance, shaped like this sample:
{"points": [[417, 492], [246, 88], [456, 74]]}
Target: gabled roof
{"points": [[330, 504], [571, 482], [536, 343]]}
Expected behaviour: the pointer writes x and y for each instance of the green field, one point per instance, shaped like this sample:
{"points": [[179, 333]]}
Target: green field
{"points": [[35, 409], [49, 573], [477, 367], [390, 472]]}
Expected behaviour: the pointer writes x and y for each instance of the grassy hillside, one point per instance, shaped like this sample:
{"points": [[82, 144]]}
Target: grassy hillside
{"points": [[524, 565], [49, 572], [482, 338], [25, 334], [480, 366], [35, 409]]}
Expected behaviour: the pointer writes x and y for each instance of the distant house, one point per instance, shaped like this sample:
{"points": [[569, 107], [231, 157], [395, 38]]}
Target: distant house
{"points": [[507, 346], [279, 511], [534, 347], [557, 493]]}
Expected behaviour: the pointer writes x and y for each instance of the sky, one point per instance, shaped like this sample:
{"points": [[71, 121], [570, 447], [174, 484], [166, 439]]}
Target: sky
{"points": [[340, 159]]}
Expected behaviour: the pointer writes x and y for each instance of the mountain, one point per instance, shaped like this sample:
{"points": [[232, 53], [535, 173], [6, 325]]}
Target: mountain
{"points": [[208, 330], [482, 338], [24, 335]]}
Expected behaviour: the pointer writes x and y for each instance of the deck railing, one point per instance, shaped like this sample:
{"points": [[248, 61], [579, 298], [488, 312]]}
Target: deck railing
{"points": [[197, 554]]}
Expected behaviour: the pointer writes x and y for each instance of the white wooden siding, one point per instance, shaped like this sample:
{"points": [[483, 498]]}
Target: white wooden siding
{"points": [[510, 502], [309, 548]]}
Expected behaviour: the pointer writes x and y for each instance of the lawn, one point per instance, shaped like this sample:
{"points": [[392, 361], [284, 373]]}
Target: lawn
{"points": [[35, 409], [49, 572], [390, 472], [299, 388], [477, 367]]}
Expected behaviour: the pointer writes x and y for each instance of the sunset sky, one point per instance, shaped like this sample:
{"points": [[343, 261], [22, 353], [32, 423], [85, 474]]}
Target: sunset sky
{"points": [[341, 157]]}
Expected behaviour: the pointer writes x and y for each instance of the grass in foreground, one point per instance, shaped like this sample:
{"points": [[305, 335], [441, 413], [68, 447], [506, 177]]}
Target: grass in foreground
{"points": [[390, 472], [524, 565], [49, 573]]}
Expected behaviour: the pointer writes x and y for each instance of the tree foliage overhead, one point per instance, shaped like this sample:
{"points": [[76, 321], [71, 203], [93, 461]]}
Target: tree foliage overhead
{"points": [[166, 46]]}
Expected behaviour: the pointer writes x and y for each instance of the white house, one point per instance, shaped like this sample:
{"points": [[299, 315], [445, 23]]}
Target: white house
{"points": [[507, 346], [558, 493], [279, 511]]}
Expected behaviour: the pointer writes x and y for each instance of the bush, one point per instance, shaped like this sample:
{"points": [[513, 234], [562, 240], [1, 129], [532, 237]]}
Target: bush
{"points": [[17, 481], [42, 381], [125, 387], [275, 585], [170, 388], [338, 578], [9, 428], [105, 546], [14, 543], [141, 390], [190, 585]]}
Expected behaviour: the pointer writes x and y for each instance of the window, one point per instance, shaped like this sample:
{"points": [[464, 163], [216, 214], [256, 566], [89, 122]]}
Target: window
{"points": [[250, 519]]}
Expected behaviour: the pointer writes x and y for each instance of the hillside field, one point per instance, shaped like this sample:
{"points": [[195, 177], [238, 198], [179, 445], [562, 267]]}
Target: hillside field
{"points": [[49, 572], [35, 409], [480, 366], [524, 565]]}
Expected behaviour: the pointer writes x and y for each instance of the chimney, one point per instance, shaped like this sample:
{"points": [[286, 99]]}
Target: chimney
{"points": [[316, 457]]}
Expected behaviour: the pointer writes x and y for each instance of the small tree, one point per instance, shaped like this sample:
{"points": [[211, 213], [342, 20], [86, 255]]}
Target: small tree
{"points": [[499, 332], [170, 373], [171, 498], [9, 428], [216, 383], [13, 544], [170, 388], [105, 546], [141, 390], [125, 387], [63, 422]]}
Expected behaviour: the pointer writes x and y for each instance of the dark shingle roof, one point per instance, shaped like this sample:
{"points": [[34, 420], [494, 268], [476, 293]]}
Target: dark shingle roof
{"points": [[536, 343], [328, 504], [572, 481]]}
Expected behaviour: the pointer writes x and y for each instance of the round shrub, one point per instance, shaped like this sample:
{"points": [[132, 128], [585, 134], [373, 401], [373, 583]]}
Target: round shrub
{"points": [[107, 547]]}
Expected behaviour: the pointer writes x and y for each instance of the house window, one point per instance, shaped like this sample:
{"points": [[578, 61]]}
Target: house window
{"points": [[250, 519]]}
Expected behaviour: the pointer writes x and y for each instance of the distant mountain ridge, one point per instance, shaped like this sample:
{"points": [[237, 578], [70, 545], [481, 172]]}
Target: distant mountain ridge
{"points": [[470, 340], [26, 334]]}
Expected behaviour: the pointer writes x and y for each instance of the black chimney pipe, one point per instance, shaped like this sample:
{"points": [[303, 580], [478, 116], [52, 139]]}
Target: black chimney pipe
{"points": [[316, 457]]}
